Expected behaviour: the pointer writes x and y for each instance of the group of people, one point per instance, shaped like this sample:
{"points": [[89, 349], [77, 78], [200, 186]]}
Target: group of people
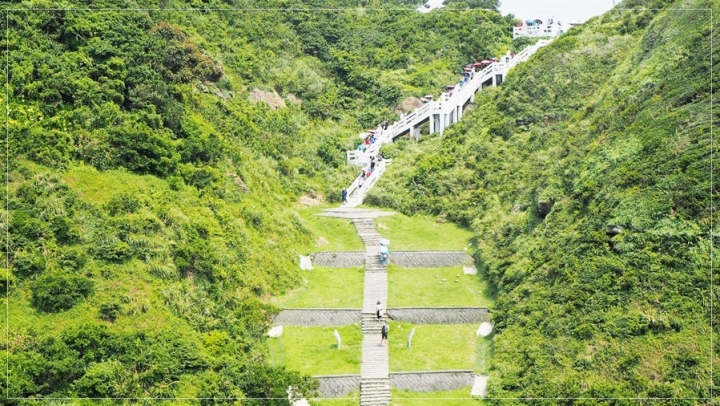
{"points": [[365, 173], [371, 137], [368, 170], [385, 328]]}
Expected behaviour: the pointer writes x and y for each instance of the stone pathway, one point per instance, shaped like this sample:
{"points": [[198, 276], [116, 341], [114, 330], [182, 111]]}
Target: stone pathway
{"points": [[374, 371], [375, 380]]}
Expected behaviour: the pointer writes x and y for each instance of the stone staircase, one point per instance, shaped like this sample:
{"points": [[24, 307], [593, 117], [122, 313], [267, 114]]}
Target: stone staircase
{"points": [[439, 114], [366, 230], [375, 392], [374, 372], [373, 264], [371, 325], [375, 380]]}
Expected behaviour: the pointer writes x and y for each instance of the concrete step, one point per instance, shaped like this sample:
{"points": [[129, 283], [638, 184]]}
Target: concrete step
{"points": [[372, 326], [375, 400], [375, 391]]}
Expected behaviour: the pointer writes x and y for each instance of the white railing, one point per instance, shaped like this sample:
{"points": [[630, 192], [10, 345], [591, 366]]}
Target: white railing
{"points": [[356, 158], [537, 31], [356, 193], [446, 103]]}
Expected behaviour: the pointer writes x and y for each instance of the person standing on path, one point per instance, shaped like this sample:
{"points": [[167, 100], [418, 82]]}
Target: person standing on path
{"points": [[384, 333], [378, 310], [344, 195]]}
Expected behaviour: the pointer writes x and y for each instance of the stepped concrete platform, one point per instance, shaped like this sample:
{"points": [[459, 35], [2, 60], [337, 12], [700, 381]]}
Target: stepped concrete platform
{"points": [[374, 371], [376, 289], [317, 317], [405, 259], [374, 391], [374, 357], [371, 324], [432, 381], [336, 386], [439, 315]]}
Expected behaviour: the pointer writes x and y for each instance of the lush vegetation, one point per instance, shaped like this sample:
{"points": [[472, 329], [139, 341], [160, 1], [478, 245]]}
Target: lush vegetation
{"points": [[152, 203], [607, 126]]}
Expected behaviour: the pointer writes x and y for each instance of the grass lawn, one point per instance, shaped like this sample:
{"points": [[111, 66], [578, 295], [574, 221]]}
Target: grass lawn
{"points": [[419, 287], [340, 233], [352, 399], [456, 397], [326, 287], [313, 350], [422, 233], [434, 347]]}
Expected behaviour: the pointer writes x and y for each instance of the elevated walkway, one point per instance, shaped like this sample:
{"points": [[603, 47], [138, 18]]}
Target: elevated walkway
{"points": [[440, 114]]}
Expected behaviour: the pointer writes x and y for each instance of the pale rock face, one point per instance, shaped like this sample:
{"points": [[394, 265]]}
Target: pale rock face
{"points": [[408, 105], [275, 332], [293, 99], [308, 201], [480, 386], [272, 99], [305, 263], [485, 329]]}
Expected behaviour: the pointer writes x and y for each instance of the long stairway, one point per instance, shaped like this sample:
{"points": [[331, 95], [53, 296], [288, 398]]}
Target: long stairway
{"points": [[440, 114], [374, 371]]}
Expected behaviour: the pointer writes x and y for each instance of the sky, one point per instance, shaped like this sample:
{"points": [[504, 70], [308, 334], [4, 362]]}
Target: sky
{"points": [[564, 10]]}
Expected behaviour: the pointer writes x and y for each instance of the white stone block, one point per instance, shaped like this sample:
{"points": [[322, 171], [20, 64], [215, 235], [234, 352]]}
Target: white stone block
{"points": [[480, 386], [305, 263]]}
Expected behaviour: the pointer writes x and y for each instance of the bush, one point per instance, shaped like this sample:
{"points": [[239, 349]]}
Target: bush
{"points": [[7, 280], [28, 262], [105, 379], [59, 291], [73, 259], [113, 250], [109, 311], [65, 231], [123, 203], [24, 227]]}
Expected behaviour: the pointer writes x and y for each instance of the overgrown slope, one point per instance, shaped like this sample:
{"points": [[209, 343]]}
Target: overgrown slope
{"points": [[150, 201], [608, 127]]}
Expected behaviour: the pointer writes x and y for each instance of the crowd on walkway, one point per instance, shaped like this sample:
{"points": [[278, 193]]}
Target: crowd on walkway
{"points": [[365, 173]]}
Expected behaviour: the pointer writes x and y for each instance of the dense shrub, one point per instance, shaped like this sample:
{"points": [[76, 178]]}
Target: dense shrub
{"points": [[54, 292], [109, 311]]}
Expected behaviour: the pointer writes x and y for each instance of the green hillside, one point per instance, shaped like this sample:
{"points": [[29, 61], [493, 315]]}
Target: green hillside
{"points": [[608, 128], [152, 204], [152, 211]]}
